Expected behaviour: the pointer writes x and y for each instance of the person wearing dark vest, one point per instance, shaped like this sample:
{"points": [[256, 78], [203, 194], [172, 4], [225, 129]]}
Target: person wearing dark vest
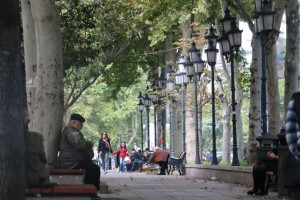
{"points": [[267, 162], [77, 153], [291, 166]]}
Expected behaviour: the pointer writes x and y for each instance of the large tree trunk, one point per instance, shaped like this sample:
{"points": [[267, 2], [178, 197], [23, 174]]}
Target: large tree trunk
{"points": [[291, 71], [225, 122], [255, 100], [271, 72], [12, 165], [29, 39], [273, 89], [48, 113], [190, 143]]}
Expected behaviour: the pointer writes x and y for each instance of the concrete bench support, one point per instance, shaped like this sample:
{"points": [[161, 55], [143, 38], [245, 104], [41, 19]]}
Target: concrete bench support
{"points": [[67, 176]]}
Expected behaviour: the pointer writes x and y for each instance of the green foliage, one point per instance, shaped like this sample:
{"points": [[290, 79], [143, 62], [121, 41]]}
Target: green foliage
{"points": [[103, 113], [244, 80]]}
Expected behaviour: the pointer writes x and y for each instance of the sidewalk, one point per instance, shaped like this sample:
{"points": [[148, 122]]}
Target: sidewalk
{"points": [[140, 186]]}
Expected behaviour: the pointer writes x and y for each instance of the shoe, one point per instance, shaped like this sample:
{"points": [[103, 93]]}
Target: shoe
{"points": [[105, 172], [251, 192], [161, 174]]}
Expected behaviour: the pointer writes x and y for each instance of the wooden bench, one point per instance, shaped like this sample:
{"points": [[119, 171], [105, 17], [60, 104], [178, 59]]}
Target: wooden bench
{"points": [[85, 190], [67, 176]]}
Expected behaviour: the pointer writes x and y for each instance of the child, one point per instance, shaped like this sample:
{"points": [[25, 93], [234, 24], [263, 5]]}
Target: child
{"points": [[122, 151]]}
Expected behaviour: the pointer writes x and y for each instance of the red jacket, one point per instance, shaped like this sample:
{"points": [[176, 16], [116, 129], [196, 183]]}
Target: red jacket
{"points": [[122, 152]]}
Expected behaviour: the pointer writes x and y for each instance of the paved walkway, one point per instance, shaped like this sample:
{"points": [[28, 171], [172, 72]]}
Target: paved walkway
{"points": [[140, 186]]}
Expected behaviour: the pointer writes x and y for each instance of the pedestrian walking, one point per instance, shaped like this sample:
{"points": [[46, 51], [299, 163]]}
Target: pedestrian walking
{"points": [[104, 148], [122, 153]]}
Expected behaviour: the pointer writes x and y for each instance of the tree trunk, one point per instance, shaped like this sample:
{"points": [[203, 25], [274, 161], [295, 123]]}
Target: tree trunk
{"points": [[190, 124], [273, 89], [225, 122], [291, 72], [30, 54], [255, 100], [48, 113], [271, 72], [134, 129], [12, 165]]}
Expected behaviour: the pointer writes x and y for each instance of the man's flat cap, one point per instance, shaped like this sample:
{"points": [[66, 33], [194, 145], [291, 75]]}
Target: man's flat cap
{"points": [[77, 117]]}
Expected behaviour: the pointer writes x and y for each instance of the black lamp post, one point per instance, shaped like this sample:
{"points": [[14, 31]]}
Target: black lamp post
{"points": [[195, 69], [264, 23], [211, 52], [147, 103], [182, 79], [229, 41], [171, 86], [141, 108]]}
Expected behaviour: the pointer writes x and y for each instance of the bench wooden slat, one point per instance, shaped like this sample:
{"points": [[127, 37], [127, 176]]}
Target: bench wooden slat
{"points": [[75, 189], [64, 190]]}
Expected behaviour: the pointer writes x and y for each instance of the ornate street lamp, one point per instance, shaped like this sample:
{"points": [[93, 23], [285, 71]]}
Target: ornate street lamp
{"points": [[141, 108], [229, 41], [211, 36], [147, 103], [198, 66], [264, 24], [182, 79], [211, 53]]}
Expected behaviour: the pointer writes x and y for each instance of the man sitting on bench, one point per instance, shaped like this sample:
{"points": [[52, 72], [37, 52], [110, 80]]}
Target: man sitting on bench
{"points": [[77, 153], [161, 157]]}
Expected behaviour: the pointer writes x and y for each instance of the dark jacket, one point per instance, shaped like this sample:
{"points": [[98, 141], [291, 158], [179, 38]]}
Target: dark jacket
{"points": [[104, 146], [36, 169], [73, 148]]}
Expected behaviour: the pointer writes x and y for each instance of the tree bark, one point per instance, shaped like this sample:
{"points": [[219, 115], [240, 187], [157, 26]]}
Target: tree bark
{"points": [[12, 137], [271, 72], [48, 113], [255, 100], [225, 122], [291, 72], [30, 54], [273, 89]]}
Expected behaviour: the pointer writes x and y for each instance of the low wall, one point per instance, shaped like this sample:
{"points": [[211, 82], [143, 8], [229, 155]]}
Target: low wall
{"points": [[230, 174]]}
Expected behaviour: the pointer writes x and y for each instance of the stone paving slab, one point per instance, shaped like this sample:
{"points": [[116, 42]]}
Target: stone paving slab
{"points": [[140, 186]]}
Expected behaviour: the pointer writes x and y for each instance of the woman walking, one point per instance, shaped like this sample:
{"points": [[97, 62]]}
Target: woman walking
{"points": [[104, 148], [122, 152]]}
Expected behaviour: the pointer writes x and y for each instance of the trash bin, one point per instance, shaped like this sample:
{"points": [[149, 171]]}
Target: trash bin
{"points": [[269, 142]]}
